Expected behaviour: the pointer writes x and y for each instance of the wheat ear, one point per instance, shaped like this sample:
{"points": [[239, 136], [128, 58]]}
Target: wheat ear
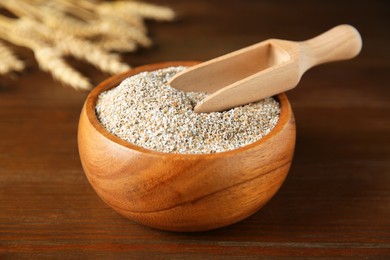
{"points": [[117, 44], [82, 49], [51, 60], [8, 61]]}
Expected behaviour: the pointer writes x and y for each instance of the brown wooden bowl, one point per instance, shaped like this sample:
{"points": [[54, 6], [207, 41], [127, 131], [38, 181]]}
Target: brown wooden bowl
{"points": [[183, 192]]}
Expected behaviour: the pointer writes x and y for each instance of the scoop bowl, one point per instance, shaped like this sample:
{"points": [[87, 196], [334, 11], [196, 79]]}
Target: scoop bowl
{"points": [[183, 192]]}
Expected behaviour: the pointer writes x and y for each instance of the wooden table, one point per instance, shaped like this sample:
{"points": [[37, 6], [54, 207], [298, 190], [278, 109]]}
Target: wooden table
{"points": [[334, 203]]}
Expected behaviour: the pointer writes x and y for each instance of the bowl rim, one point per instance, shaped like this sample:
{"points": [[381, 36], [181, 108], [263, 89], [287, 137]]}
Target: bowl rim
{"points": [[115, 80]]}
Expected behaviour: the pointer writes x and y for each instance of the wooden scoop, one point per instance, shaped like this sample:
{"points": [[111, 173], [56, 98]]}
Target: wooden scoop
{"points": [[264, 69]]}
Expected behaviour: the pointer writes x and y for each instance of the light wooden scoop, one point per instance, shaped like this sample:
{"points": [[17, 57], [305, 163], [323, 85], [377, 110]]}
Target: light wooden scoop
{"points": [[264, 69]]}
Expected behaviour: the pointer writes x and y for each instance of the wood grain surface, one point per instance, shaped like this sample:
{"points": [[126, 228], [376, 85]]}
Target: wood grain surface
{"points": [[335, 202]]}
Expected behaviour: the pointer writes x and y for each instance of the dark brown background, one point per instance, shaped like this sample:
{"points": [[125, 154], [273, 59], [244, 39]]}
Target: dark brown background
{"points": [[335, 201]]}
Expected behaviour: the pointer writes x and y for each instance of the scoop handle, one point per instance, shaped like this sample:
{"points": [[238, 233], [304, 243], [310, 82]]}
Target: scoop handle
{"points": [[339, 43]]}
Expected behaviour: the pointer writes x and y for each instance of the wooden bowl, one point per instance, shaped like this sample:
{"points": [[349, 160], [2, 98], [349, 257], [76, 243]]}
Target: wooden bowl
{"points": [[183, 192]]}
